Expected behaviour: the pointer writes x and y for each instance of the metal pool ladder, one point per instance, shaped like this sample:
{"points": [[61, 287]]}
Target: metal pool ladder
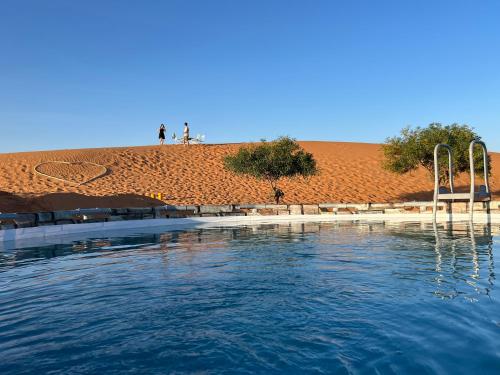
{"points": [[441, 193]]}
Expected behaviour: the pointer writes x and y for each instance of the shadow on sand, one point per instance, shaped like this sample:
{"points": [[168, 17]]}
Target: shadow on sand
{"points": [[428, 195], [67, 201]]}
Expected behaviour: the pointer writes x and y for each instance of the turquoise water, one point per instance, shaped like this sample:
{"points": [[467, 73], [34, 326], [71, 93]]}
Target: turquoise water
{"points": [[294, 298]]}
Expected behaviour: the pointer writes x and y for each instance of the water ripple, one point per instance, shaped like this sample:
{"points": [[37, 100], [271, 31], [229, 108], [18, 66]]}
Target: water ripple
{"points": [[329, 298]]}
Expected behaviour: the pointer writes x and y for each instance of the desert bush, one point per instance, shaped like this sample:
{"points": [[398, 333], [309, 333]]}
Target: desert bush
{"points": [[415, 147], [273, 161]]}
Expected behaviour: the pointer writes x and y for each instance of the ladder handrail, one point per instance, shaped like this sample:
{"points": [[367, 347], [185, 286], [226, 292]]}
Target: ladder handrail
{"points": [[473, 173], [472, 195], [436, 173], [436, 165]]}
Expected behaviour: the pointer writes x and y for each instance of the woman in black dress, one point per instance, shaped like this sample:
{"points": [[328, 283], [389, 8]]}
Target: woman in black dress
{"points": [[161, 136]]}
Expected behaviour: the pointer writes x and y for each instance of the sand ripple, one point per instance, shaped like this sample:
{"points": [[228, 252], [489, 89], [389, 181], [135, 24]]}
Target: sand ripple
{"points": [[350, 172]]}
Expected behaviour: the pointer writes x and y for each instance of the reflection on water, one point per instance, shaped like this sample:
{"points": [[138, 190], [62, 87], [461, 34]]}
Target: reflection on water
{"points": [[461, 251], [478, 240], [295, 297]]}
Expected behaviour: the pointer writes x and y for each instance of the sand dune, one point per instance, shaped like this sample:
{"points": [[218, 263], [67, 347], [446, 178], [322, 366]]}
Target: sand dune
{"points": [[350, 172]]}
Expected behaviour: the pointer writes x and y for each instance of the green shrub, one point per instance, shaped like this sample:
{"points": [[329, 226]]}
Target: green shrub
{"points": [[415, 147], [272, 161]]}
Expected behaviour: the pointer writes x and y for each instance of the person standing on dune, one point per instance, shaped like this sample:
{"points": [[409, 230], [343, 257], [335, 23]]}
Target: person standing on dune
{"points": [[185, 139], [161, 134]]}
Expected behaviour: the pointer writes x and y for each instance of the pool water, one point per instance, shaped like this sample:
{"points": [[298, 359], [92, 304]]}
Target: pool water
{"points": [[289, 298]]}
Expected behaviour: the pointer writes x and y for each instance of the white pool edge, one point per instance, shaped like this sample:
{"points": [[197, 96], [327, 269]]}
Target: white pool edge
{"points": [[44, 232]]}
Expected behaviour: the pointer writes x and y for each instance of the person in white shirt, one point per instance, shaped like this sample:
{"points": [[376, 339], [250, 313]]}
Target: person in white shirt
{"points": [[185, 139]]}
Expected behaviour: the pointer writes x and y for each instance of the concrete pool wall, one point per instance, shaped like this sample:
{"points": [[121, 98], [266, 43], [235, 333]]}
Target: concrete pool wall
{"points": [[59, 223]]}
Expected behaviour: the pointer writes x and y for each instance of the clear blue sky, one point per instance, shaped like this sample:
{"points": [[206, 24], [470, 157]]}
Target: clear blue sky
{"points": [[94, 73]]}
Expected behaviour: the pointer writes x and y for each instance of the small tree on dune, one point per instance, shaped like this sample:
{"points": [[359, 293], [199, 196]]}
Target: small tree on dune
{"points": [[272, 161], [415, 147]]}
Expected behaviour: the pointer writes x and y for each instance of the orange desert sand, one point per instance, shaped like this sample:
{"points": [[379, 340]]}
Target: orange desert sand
{"points": [[349, 172]]}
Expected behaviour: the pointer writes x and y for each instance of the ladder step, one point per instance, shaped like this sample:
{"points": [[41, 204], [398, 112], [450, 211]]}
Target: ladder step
{"points": [[478, 197]]}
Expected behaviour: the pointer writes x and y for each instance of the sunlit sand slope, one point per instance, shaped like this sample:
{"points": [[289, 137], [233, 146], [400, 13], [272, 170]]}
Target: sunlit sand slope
{"points": [[350, 172]]}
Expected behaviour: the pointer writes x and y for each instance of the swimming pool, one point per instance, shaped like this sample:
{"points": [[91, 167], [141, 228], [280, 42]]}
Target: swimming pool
{"points": [[290, 298]]}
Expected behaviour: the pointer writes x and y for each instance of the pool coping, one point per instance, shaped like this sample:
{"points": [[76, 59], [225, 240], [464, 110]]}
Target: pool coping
{"points": [[43, 232]]}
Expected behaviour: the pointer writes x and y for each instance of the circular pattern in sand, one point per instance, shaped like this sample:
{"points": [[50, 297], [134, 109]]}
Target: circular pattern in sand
{"points": [[76, 173]]}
